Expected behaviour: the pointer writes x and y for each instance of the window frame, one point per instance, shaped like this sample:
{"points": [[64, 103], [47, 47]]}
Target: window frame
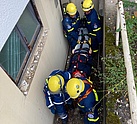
{"points": [[28, 46], [25, 58]]}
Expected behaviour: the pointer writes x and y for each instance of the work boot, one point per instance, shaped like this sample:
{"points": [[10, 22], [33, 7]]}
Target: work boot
{"points": [[64, 121]]}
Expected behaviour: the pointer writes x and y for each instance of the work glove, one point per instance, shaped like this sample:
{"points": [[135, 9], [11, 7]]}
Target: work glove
{"points": [[45, 85], [52, 109]]}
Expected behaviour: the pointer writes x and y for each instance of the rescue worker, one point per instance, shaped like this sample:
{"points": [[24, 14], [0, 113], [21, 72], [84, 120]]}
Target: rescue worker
{"points": [[71, 23], [93, 24], [55, 95], [86, 96]]}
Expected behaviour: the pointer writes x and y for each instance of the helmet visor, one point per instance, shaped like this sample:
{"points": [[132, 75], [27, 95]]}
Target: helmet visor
{"points": [[85, 9], [72, 13]]}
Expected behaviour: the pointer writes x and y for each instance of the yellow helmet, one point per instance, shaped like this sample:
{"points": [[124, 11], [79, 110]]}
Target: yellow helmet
{"points": [[55, 83], [87, 5], [74, 87], [71, 9]]}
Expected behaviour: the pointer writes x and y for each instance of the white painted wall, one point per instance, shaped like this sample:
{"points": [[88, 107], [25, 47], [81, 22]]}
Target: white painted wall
{"points": [[15, 108]]}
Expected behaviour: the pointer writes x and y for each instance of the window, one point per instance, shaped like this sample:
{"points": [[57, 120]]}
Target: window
{"points": [[15, 53]]}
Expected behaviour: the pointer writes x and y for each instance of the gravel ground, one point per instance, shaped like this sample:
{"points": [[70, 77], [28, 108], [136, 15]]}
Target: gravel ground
{"points": [[74, 117], [122, 110]]}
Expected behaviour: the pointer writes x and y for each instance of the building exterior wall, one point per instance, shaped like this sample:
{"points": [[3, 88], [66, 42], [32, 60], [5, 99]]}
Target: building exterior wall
{"points": [[15, 108]]}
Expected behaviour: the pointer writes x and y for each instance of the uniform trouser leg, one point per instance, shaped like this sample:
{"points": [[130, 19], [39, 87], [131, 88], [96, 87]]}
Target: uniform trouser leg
{"points": [[64, 121], [64, 118], [94, 43], [61, 111], [72, 43]]}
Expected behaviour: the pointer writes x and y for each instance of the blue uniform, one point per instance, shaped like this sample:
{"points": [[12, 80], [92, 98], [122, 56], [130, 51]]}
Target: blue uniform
{"points": [[87, 103], [70, 28], [93, 25], [81, 61], [56, 102]]}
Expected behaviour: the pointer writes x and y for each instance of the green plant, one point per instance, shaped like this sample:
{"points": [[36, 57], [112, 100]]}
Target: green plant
{"points": [[128, 4], [115, 72]]}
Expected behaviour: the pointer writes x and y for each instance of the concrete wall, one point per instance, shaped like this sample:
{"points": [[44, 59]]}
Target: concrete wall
{"points": [[15, 108]]}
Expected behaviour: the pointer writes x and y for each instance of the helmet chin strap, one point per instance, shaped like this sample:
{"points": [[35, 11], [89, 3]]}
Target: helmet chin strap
{"points": [[80, 85]]}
